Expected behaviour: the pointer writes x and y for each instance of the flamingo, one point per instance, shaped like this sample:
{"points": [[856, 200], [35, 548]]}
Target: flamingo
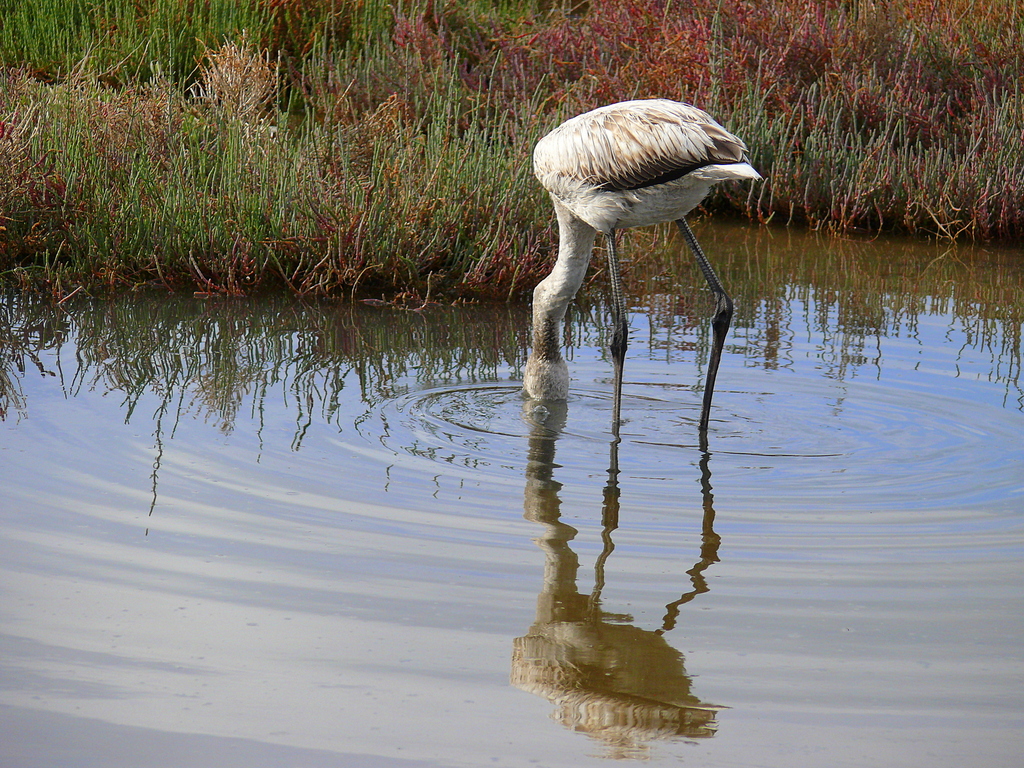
{"points": [[631, 164]]}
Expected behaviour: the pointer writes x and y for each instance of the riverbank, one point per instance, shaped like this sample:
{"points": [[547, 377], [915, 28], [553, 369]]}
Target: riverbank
{"points": [[331, 147]]}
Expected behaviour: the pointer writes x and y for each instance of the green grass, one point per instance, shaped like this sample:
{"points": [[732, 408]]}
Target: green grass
{"points": [[339, 146]]}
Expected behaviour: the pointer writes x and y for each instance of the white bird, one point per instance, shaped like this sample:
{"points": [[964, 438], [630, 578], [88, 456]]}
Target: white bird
{"points": [[630, 164]]}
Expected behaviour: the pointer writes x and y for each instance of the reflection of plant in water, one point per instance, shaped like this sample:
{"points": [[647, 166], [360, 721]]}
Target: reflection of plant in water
{"points": [[851, 292], [217, 359], [27, 330]]}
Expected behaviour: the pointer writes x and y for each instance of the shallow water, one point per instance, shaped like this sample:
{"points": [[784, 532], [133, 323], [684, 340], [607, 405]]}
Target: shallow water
{"points": [[266, 533]]}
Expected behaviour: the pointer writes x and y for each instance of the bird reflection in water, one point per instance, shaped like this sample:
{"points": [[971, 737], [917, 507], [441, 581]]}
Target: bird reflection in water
{"points": [[620, 684]]}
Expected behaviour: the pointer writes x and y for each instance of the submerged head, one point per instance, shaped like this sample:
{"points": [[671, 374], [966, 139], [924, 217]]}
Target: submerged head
{"points": [[546, 379]]}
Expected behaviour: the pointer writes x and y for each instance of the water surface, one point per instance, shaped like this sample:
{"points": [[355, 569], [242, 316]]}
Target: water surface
{"points": [[269, 533]]}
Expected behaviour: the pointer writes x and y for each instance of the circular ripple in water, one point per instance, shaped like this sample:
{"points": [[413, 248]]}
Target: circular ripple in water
{"points": [[805, 442], [483, 429]]}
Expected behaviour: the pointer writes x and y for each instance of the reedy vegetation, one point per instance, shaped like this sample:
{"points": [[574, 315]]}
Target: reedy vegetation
{"points": [[335, 145], [220, 358]]}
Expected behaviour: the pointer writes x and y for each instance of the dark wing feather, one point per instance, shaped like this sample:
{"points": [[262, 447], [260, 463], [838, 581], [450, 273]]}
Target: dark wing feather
{"points": [[637, 144], [722, 147]]}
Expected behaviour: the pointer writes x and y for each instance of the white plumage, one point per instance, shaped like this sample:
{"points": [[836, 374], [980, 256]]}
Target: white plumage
{"points": [[630, 164], [605, 166]]}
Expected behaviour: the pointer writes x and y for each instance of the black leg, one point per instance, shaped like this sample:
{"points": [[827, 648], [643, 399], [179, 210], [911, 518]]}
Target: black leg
{"points": [[620, 328], [616, 411], [719, 324]]}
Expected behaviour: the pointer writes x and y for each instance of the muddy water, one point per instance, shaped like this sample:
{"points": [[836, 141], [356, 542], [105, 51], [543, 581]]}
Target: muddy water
{"points": [[265, 533]]}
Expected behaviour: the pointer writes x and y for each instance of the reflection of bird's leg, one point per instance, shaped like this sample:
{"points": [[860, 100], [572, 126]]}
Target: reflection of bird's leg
{"points": [[709, 542], [719, 323], [610, 508], [608, 679]]}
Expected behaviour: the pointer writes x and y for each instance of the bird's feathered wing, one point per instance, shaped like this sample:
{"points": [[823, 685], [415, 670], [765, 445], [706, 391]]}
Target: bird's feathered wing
{"points": [[635, 144]]}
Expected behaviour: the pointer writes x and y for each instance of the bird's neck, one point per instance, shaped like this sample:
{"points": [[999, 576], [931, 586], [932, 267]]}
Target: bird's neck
{"points": [[553, 294]]}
